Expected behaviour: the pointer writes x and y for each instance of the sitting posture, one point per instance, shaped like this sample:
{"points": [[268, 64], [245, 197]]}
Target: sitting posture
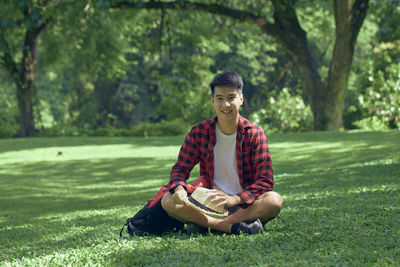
{"points": [[235, 164]]}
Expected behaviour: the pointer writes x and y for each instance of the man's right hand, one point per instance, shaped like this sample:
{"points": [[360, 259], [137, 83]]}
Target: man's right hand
{"points": [[180, 195]]}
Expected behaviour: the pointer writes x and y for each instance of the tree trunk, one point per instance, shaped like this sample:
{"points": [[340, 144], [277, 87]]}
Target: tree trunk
{"points": [[348, 21], [24, 75], [325, 98], [25, 88], [288, 32]]}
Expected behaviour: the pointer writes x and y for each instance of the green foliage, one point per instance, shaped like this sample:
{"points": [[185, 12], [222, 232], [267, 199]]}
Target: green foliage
{"points": [[163, 128], [284, 113], [67, 209], [61, 130], [373, 123], [9, 126], [387, 16], [81, 57], [381, 100], [373, 98], [115, 72], [170, 60]]}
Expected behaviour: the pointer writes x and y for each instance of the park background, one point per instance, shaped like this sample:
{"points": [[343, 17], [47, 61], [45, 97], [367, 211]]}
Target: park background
{"points": [[101, 93], [128, 68]]}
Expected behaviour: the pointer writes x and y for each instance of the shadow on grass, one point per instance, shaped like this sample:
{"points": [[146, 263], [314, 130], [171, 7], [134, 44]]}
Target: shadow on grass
{"points": [[343, 179], [47, 206], [304, 156], [371, 138], [47, 187], [18, 144]]}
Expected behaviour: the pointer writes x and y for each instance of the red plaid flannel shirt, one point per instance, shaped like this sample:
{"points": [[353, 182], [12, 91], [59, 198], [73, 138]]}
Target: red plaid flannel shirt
{"points": [[252, 153]]}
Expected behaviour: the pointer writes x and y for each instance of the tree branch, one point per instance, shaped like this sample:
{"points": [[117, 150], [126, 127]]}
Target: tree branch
{"points": [[210, 8], [286, 29], [161, 30], [358, 14], [281, 74], [41, 26]]}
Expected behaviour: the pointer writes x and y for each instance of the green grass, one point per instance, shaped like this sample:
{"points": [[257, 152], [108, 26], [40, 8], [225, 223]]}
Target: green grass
{"points": [[341, 192]]}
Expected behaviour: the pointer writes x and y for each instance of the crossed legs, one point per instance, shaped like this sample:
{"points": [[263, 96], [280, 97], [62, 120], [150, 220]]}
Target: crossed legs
{"points": [[265, 207]]}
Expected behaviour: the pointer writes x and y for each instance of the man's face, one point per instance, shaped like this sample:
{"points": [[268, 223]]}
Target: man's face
{"points": [[227, 101]]}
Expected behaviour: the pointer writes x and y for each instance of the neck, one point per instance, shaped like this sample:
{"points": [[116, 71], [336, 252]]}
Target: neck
{"points": [[228, 128]]}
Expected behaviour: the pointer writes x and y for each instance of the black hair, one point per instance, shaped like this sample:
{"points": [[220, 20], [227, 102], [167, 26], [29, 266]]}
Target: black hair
{"points": [[228, 78]]}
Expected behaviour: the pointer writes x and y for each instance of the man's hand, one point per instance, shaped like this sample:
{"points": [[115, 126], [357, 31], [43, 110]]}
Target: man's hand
{"points": [[223, 199], [180, 195]]}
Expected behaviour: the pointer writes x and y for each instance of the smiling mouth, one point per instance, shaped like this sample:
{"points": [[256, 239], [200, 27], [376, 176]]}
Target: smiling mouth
{"points": [[226, 111]]}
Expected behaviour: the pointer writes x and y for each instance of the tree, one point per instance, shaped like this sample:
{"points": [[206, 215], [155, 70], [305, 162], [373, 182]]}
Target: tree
{"points": [[325, 96], [31, 20], [76, 36]]}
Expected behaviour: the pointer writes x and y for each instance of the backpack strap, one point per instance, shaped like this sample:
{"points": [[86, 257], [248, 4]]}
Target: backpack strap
{"points": [[126, 224]]}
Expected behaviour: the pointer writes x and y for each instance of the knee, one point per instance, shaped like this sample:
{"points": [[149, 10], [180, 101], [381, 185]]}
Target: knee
{"points": [[268, 206], [174, 210], [166, 202], [276, 201], [273, 202]]}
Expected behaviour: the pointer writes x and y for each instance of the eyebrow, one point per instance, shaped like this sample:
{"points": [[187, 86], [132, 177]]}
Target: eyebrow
{"points": [[231, 94]]}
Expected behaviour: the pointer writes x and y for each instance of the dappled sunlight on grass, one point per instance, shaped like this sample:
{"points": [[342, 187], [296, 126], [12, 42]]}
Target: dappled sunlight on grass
{"points": [[49, 142], [121, 184], [79, 214], [341, 193], [92, 152]]}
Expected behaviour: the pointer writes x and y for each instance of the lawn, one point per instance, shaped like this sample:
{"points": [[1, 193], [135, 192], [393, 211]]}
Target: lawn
{"points": [[64, 200]]}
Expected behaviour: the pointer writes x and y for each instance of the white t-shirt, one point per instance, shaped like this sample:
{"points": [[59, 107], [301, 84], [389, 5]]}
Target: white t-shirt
{"points": [[226, 176]]}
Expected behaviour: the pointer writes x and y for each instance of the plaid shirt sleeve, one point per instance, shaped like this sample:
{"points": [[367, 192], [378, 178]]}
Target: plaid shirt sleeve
{"points": [[260, 176], [188, 157]]}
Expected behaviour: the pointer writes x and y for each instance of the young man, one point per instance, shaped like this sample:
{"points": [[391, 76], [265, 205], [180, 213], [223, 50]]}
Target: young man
{"points": [[235, 159]]}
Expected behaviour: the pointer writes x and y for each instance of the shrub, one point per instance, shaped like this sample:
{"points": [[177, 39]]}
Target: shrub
{"points": [[381, 100], [377, 105], [8, 128], [284, 113], [60, 130], [107, 131], [163, 128]]}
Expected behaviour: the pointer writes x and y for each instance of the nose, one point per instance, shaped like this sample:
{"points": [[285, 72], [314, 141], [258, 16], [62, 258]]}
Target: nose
{"points": [[225, 103]]}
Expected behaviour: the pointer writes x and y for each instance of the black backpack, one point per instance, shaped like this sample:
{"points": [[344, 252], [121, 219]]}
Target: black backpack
{"points": [[151, 221]]}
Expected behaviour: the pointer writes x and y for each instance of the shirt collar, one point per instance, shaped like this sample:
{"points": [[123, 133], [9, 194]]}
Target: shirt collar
{"points": [[242, 124]]}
